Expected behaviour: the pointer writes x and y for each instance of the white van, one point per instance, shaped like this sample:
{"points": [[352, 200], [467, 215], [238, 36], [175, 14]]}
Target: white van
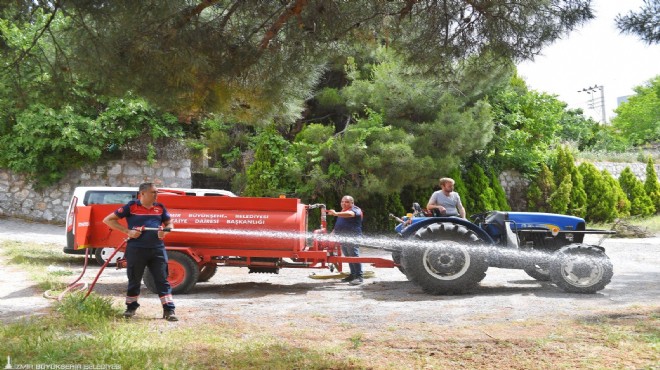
{"points": [[84, 196]]}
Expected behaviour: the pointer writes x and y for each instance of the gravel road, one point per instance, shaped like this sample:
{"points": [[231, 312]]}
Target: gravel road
{"points": [[387, 299]]}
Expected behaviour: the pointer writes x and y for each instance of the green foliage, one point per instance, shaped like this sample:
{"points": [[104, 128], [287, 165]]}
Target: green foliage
{"points": [[640, 203], [500, 194], [637, 118], [481, 196], [561, 198], [643, 23], [94, 310], [45, 143], [252, 60], [272, 172], [601, 199], [565, 168], [526, 127], [540, 190], [622, 203], [652, 185]]}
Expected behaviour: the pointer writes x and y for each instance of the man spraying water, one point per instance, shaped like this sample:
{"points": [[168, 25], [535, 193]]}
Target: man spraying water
{"points": [[145, 248]]}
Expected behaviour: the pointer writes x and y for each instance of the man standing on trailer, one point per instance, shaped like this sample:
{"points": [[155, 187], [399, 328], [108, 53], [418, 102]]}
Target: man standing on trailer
{"points": [[145, 248], [349, 224]]}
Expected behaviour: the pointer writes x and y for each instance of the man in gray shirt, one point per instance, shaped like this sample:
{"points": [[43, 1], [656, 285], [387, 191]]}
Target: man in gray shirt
{"points": [[446, 201]]}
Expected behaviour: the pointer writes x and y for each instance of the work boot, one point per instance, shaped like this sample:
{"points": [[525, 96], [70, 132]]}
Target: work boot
{"points": [[348, 279], [130, 312], [169, 315], [357, 281]]}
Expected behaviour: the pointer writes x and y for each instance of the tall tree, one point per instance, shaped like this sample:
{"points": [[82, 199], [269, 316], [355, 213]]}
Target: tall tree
{"points": [[644, 23], [638, 119], [236, 56]]}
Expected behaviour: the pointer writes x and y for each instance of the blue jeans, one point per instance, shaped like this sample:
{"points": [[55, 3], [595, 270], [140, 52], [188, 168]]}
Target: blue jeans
{"points": [[156, 260], [352, 250]]}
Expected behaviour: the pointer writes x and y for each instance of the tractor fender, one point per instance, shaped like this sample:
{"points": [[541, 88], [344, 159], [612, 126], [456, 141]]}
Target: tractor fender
{"points": [[412, 229]]}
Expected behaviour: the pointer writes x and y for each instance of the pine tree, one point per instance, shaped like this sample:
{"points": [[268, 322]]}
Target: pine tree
{"points": [[640, 202], [601, 200], [652, 185], [621, 202], [480, 191], [539, 192], [500, 194], [560, 199], [564, 168], [462, 189]]}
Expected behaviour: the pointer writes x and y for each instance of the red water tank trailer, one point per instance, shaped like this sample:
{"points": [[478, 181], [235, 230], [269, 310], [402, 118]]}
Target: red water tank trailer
{"points": [[263, 234]]}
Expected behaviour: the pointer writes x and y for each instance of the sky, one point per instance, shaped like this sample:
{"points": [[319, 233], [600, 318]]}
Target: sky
{"points": [[595, 54]]}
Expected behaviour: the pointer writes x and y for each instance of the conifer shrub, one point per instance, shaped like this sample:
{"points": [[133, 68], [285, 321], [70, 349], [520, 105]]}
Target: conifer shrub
{"points": [[621, 202], [652, 185], [640, 203], [540, 190], [560, 199], [601, 199]]}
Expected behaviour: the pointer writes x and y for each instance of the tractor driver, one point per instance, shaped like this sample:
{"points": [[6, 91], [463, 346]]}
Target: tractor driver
{"points": [[446, 202], [145, 247]]}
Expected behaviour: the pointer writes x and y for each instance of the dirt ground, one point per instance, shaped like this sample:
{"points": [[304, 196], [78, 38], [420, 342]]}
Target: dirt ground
{"points": [[385, 302]]}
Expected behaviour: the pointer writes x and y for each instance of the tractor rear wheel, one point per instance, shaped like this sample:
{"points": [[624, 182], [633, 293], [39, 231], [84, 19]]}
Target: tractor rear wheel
{"points": [[183, 273], [579, 268], [207, 271], [449, 259]]}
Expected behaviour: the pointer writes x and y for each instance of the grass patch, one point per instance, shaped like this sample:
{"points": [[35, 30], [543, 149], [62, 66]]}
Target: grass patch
{"points": [[651, 224], [45, 263]]}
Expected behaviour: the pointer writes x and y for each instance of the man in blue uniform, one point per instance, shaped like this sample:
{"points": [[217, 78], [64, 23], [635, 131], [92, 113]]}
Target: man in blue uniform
{"points": [[145, 248], [349, 225]]}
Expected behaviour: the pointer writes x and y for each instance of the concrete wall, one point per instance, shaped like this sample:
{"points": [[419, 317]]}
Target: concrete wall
{"points": [[18, 198]]}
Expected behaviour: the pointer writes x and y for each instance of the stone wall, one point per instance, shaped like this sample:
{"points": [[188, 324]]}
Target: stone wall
{"points": [[19, 199]]}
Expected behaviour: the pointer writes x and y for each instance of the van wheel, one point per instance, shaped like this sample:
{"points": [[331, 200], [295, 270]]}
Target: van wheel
{"points": [[102, 254], [183, 273]]}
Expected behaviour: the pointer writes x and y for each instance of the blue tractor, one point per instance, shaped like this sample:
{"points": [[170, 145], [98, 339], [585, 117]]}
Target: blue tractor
{"points": [[449, 255]]}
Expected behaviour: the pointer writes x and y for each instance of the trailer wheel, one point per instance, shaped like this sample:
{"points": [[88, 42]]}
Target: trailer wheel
{"points": [[539, 272], [449, 259], [183, 273], [102, 254], [579, 268], [206, 272]]}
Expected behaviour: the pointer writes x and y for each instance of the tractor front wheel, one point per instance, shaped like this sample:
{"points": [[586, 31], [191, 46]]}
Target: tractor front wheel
{"points": [[449, 259], [579, 268], [183, 273]]}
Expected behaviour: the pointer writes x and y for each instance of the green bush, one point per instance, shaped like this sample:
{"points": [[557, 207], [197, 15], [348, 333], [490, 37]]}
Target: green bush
{"points": [[561, 198], [621, 201], [652, 185], [601, 200], [565, 168], [540, 190], [640, 202]]}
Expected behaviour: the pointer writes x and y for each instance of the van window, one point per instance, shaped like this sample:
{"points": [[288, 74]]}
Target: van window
{"points": [[108, 197]]}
